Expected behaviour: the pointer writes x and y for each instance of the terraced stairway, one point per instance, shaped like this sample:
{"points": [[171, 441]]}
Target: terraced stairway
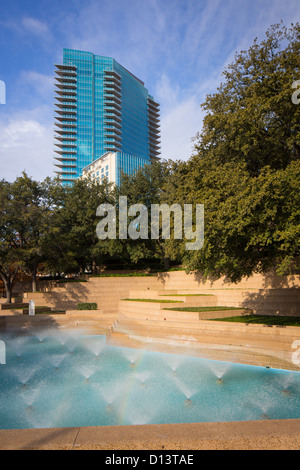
{"points": [[154, 321], [152, 317], [14, 305], [167, 305], [105, 292], [89, 322]]}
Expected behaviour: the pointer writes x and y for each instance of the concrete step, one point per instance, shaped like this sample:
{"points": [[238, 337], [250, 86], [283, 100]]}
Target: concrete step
{"points": [[15, 299], [211, 351], [39, 309], [135, 305], [200, 342], [196, 333], [159, 312], [213, 327], [13, 305], [189, 299], [92, 322]]}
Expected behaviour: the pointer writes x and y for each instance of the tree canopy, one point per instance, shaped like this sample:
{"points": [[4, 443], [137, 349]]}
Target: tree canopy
{"points": [[251, 118]]}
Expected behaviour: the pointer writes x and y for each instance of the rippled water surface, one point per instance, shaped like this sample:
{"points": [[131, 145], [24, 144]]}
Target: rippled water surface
{"points": [[65, 379]]}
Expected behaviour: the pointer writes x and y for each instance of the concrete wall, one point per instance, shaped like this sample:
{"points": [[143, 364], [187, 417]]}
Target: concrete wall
{"points": [[268, 295], [233, 342], [106, 292]]}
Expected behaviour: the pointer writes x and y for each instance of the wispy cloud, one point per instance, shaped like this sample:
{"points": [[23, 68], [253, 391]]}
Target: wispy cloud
{"points": [[35, 26], [181, 119], [27, 26], [26, 143], [39, 83], [178, 127]]}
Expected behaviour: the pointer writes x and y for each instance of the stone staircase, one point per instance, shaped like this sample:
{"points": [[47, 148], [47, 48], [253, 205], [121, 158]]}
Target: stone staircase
{"points": [[247, 344], [88, 322], [105, 292], [279, 297], [144, 323], [156, 305], [18, 307], [144, 312]]}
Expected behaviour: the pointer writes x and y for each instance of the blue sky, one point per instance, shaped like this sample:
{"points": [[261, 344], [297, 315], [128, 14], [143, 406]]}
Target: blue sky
{"points": [[179, 48]]}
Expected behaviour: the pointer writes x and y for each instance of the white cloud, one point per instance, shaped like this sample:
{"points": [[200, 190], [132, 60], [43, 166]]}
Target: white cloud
{"points": [[19, 134], [35, 26], [40, 83], [181, 114], [178, 126], [166, 92], [25, 145], [181, 119]]}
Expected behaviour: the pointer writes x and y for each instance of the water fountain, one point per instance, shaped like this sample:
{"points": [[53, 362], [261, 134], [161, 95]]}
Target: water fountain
{"points": [[132, 355], [184, 388], [110, 391], [29, 396], [17, 345], [57, 359], [54, 381], [86, 371], [24, 374], [96, 345], [188, 402], [142, 377], [173, 361], [219, 369], [41, 334]]}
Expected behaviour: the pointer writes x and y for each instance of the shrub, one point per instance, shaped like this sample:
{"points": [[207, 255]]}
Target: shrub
{"points": [[87, 306]]}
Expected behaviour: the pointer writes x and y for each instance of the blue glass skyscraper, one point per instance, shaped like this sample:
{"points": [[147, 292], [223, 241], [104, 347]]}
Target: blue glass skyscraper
{"points": [[101, 107]]}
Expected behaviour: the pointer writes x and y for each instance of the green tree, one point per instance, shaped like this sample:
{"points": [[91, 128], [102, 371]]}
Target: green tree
{"points": [[151, 185], [245, 169], [74, 238], [251, 117], [9, 243], [26, 218], [251, 223]]}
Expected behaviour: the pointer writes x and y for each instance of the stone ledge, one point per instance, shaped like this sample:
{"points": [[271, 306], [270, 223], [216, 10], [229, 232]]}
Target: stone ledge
{"points": [[247, 435]]}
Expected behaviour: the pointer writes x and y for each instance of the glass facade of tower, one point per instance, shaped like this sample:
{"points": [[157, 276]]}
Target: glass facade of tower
{"points": [[101, 107]]}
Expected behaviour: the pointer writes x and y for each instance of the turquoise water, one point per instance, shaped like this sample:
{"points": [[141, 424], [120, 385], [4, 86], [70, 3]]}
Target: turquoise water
{"points": [[70, 380]]}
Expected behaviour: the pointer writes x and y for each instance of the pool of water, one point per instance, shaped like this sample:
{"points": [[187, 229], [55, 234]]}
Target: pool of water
{"points": [[66, 379]]}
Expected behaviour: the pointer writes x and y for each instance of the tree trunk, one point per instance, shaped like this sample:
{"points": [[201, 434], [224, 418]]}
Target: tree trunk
{"points": [[167, 263], [8, 291], [94, 266], [34, 280], [8, 279]]}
